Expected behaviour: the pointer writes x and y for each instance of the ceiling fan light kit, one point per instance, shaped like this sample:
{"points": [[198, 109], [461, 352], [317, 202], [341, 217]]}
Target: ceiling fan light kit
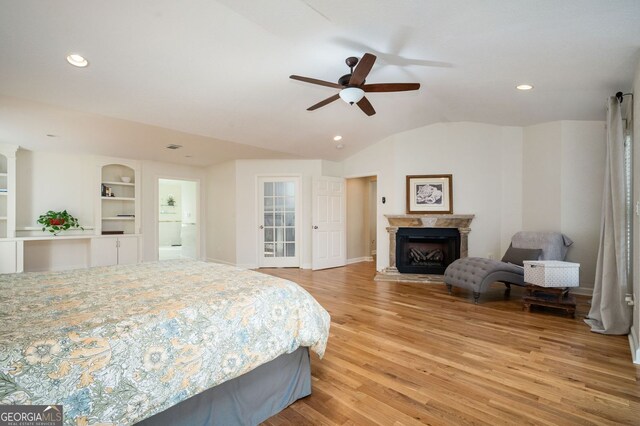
{"points": [[351, 95], [352, 87]]}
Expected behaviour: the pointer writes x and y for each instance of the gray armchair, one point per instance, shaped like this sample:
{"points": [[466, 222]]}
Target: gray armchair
{"points": [[477, 274]]}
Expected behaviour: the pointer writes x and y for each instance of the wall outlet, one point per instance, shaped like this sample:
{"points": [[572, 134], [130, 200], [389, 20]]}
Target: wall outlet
{"points": [[490, 256]]}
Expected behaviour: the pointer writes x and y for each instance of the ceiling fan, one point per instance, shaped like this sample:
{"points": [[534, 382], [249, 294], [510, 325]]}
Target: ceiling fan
{"points": [[352, 86]]}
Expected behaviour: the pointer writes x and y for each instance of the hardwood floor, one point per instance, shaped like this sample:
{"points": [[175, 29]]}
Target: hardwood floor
{"points": [[412, 354]]}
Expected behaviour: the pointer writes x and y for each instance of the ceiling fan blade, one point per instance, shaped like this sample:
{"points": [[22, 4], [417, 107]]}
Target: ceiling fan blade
{"points": [[315, 81], [390, 87], [325, 102], [366, 106], [362, 69]]}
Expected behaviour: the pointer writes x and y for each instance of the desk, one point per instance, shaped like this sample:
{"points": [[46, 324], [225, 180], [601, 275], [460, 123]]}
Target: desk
{"points": [[49, 253]]}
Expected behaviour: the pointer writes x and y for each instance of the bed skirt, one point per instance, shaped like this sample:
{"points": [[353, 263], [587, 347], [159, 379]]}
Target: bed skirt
{"points": [[245, 400]]}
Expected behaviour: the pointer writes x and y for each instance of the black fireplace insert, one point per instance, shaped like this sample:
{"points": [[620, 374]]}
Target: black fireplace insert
{"points": [[426, 250]]}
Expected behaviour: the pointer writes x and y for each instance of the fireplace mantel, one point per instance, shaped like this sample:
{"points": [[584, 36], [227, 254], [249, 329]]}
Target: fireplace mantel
{"points": [[460, 221], [430, 220]]}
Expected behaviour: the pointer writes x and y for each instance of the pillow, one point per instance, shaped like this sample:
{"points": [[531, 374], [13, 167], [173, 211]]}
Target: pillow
{"points": [[517, 255]]}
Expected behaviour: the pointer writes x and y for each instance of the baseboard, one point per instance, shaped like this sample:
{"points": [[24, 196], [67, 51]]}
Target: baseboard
{"points": [[59, 268], [635, 348], [224, 262], [248, 266], [305, 266], [360, 259]]}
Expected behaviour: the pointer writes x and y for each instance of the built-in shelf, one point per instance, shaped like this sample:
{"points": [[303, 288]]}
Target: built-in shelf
{"points": [[121, 212], [119, 183], [3, 218], [3, 174], [4, 193], [119, 198]]}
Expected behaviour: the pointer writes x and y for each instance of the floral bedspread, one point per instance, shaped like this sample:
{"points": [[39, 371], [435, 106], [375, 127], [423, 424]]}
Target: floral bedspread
{"points": [[118, 344]]}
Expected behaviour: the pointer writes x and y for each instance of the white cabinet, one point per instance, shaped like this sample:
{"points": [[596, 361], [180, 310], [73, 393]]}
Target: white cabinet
{"points": [[8, 257], [127, 250], [120, 250]]}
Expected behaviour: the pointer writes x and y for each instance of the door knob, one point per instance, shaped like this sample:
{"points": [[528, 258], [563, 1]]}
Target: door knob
{"points": [[315, 227], [261, 227]]}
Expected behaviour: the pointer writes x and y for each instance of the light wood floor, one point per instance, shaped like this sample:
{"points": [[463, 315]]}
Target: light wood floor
{"points": [[412, 354]]}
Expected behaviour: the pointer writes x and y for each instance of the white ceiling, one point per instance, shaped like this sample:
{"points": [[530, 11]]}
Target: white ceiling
{"points": [[216, 73]]}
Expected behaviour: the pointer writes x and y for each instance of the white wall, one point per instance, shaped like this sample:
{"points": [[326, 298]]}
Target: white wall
{"points": [[542, 161], [331, 168], [51, 181], [221, 213], [511, 190], [189, 211], [474, 153]]}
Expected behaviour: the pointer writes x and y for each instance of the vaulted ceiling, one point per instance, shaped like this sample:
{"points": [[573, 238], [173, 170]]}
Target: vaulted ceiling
{"points": [[213, 75]]}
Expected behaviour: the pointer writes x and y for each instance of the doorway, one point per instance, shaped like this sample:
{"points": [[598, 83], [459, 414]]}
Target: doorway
{"points": [[279, 222], [361, 219], [177, 219]]}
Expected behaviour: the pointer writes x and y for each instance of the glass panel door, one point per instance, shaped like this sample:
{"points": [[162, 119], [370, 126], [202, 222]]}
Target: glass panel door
{"points": [[278, 242]]}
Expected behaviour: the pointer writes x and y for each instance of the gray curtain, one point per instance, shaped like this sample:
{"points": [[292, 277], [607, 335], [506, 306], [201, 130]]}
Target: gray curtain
{"points": [[609, 313]]}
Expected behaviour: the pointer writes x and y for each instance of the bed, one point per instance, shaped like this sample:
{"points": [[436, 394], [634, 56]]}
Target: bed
{"points": [[120, 344]]}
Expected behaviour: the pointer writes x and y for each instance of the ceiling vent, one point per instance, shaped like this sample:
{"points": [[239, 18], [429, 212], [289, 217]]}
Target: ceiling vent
{"points": [[173, 146]]}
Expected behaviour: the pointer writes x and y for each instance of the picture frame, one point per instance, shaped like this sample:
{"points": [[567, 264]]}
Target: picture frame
{"points": [[430, 194]]}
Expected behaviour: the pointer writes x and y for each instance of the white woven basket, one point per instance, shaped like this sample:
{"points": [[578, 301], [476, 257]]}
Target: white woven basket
{"points": [[551, 273]]}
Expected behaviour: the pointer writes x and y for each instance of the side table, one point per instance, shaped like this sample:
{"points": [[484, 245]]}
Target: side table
{"points": [[550, 297]]}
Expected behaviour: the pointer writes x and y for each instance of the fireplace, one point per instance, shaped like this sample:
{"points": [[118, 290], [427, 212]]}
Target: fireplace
{"points": [[426, 250], [434, 241]]}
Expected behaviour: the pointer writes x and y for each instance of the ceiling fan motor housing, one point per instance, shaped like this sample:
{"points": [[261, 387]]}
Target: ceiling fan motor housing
{"points": [[344, 80]]}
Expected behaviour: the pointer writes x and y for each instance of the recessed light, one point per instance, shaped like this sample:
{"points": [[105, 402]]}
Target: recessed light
{"points": [[77, 60], [339, 146], [337, 138], [51, 135], [524, 87], [188, 156], [173, 146]]}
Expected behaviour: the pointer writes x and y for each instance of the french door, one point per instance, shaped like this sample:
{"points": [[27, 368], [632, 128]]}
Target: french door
{"points": [[279, 221]]}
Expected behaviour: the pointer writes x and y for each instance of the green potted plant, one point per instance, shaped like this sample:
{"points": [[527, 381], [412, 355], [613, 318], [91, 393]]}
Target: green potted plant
{"points": [[56, 222]]}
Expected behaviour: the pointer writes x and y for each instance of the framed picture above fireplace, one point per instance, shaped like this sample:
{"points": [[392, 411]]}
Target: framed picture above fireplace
{"points": [[430, 194]]}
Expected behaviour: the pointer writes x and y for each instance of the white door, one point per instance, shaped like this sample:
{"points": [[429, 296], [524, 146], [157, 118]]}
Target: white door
{"points": [[279, 222], [329, 234]]}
